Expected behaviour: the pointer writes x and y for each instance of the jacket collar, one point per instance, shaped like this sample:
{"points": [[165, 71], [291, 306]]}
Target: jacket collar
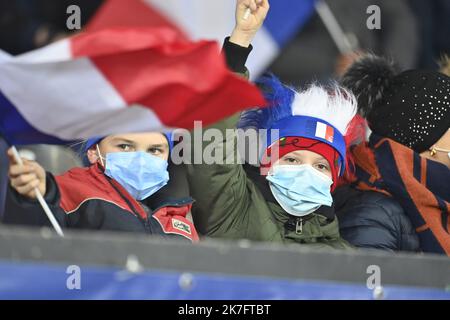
{"points": [[171, 195]]}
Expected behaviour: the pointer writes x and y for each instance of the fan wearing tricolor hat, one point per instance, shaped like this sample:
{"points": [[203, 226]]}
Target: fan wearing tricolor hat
{"points": [[307, 130], [287, 197]]}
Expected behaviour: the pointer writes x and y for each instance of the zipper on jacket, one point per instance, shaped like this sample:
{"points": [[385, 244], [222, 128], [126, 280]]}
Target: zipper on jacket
{"points": [[144, 221], [296, 223], [299, 226]]}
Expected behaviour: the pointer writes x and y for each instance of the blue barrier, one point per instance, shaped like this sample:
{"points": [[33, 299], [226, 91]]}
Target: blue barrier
{"points": [[47, 281]]}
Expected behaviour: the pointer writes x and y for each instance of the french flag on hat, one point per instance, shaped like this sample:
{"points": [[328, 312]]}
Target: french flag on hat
{"points": [[211, 19], [320, 113], [324, 131]]}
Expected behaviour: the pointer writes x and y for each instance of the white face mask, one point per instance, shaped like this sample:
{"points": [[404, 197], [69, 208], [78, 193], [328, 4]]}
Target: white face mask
{"points": [[300, 189]]}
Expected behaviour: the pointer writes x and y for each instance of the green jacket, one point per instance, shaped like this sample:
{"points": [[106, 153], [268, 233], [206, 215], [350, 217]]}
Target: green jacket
{"points": [[230, 205]]}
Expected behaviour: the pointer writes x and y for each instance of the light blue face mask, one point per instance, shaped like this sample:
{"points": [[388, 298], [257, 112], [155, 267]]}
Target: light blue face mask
{"points": [[140, 173], [300, 189]]}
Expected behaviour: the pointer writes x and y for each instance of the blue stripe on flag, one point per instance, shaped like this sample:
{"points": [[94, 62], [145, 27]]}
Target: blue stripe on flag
{"points": [[17, 131], [286, 17]]}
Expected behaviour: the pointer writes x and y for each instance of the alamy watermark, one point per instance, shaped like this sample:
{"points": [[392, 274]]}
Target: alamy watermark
{"points": [[73, 22], [73, 281], [223, 147], [374, 20], [373, 282]]}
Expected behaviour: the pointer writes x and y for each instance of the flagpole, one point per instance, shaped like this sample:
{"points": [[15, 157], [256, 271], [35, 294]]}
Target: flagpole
{"points": [[247, 14], [40, 198], [329, 20]]}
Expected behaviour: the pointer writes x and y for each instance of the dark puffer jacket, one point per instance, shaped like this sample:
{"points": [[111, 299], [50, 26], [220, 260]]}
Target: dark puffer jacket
{"points": [[370, 219]]}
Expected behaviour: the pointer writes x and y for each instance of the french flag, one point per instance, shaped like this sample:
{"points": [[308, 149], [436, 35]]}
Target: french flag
{"points": [[324, 131], [117, 80], [211, 19]]}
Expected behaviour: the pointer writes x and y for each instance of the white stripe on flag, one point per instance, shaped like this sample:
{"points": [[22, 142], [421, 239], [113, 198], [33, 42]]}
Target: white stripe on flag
{"points": [[214, 20], [135, 118], [321, 130], [4, 56], [200, 19], [264, 52], [57, 51], [71, 100]]}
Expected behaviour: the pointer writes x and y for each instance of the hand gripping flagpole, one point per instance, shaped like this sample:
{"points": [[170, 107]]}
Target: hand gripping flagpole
{"points": [[40, 198], [247, 14]]}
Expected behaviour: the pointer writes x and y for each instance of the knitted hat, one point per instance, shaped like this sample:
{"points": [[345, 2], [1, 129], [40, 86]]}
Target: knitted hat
{"points": [[93, 141], [286, 145], [315, 119], [412, 108]]}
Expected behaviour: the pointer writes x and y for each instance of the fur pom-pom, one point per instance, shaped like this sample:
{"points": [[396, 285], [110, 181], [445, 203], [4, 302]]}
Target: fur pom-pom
{"points": [[368, 78]]}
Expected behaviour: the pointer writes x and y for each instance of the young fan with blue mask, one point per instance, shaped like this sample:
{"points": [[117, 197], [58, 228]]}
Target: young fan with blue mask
{"points": [[126, 187], [307, 129], [286, 196], [141, 173]]}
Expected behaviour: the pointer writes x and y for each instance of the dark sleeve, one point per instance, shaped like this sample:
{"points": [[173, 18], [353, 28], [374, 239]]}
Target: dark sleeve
{"points": [[21, 210], [377, 222], [236, 56]]}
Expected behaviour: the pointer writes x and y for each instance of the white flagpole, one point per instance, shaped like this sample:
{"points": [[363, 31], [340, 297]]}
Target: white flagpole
{"points": [[40, 198], [329, 20], [247, 14]]}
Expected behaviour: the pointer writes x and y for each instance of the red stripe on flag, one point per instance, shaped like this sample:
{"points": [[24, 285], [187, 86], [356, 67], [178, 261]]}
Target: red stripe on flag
{"points": [[180, 81], [329, 134], [122, 39], [130, 13]]}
